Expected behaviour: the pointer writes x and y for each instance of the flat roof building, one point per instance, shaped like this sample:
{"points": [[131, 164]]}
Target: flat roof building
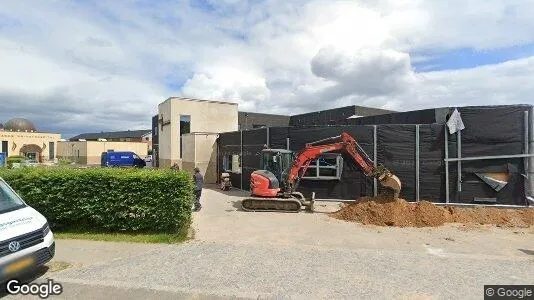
{"points": [[20, 137], [179, 116]]}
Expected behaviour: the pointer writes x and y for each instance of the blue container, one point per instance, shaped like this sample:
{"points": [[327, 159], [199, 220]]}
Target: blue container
{"points": [[2, 159]]}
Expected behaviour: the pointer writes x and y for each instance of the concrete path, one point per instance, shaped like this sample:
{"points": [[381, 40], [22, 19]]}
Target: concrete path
{"points": [[298, 256]]}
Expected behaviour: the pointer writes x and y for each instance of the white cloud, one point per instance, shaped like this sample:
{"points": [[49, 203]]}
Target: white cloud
{"points": [[97, 66]]}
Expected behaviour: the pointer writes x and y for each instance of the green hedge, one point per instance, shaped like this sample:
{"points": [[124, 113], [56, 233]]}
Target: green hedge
{"points": [[13, 159], [107, 199]]}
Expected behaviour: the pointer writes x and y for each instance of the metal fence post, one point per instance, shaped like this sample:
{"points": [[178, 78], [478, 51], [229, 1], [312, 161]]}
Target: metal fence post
{"points": [[287, 143], [530, 177], [375, 184], [268, 139], [527, 165], [241, 159], [525, 140], [417, 163], [459, 150], [446, 164]]}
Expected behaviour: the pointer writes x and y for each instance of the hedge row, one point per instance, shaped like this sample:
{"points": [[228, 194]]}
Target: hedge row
{"points": [[107, 199]]}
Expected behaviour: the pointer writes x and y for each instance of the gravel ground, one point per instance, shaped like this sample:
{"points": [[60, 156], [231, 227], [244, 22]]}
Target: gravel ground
{"points": [[299, 256], [307, 272]]}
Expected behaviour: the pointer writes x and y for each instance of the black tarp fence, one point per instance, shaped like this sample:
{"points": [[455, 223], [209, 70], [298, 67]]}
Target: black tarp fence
{"points": [[424, 116], [489, 131]]}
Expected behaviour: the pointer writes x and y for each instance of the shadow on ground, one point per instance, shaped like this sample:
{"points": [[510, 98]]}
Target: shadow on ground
{"points": [[528, 252]]}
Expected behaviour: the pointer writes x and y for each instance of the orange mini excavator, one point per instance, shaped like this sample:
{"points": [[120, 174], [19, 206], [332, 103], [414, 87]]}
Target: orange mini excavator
{"points": [[273, 187]]}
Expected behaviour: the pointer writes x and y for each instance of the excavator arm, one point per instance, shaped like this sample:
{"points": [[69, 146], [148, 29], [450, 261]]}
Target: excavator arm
{"points": [[267, 196], [349, 145]]}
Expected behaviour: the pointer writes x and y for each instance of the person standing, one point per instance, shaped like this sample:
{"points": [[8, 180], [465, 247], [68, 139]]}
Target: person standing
{"points": [[199, 183]]}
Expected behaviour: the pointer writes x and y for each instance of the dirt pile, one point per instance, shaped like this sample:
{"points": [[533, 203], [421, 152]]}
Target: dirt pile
{"points": [[384, 211]]}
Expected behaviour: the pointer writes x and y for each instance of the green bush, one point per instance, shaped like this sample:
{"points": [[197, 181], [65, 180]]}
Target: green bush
{"points": [[14, 159], [107, 199], [64, 161]]}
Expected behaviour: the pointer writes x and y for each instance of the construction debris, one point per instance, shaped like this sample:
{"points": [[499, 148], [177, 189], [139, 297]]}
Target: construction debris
{"points": [[385, 211]]}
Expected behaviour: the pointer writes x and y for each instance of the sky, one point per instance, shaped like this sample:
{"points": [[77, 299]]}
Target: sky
{"points": [[88, 66]]}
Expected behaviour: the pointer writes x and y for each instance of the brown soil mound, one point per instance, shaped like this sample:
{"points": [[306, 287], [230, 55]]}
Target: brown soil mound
{"points": [[384, 211]]}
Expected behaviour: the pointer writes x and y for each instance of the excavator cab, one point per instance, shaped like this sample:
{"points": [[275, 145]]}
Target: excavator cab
{"points": [[278, 162]]}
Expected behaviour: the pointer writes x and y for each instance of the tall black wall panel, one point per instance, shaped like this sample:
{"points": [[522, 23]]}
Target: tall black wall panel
{"points": [[230, 144], [496, 130], [396, 151], [278, 137], [493, 125], [253, 142], [300, 136], [328, 117], [426, 116], [352, 185], [431, 164], [353, 182]]}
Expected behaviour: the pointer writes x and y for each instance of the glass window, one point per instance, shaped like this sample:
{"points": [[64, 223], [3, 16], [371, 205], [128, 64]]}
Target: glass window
{"points": [[328, 166], [9, 201], [185, 127], [232, 163]]}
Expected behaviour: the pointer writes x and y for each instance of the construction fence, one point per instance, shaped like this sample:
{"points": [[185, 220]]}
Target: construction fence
{"points": [[492, 154]]}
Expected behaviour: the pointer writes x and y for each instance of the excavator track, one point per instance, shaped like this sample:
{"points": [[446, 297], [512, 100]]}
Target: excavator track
{"points": [[271, 204]]}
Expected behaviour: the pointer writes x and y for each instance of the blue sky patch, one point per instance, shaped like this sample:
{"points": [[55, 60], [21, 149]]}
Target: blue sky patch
{"points": [[465, 58]]}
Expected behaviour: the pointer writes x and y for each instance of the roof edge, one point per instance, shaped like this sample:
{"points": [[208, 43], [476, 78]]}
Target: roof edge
{"points": [[200, 100]]}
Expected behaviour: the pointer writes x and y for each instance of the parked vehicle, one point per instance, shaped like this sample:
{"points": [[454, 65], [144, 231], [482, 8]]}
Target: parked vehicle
{"points": [[30, 163], [121, 159], [26, 241], [148, 159]]}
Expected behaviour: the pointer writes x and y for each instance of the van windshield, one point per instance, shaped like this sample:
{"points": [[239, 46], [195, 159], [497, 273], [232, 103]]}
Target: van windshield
{"points": [[9, 201]]}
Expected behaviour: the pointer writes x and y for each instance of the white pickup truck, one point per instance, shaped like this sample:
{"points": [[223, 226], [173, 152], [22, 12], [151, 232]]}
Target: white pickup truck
{"points": [[26, 241]]}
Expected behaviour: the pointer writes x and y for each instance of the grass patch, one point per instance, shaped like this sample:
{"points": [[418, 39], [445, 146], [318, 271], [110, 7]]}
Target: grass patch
{"points": [[164, 238]]}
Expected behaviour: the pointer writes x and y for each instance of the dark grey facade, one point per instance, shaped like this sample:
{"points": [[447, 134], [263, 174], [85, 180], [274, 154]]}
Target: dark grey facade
{"points": [[250, 120], [424, 116], [336, 116], [414, 146]]}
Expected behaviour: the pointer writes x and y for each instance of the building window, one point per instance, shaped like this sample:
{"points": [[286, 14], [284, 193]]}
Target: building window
{"points": [[232, 163], [185, 127], [327, 167], [51, 150], [5, 148]]}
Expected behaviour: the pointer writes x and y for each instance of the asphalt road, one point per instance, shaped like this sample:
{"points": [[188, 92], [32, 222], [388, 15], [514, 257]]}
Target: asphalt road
{"points": [[297, 256]]}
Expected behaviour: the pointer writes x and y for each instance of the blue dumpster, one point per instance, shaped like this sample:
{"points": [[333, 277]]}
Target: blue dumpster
{"points": [[2, 159]]}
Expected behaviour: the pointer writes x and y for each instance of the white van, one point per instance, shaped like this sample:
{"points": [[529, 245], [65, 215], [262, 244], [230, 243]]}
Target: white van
{"points": [[26, 241]]}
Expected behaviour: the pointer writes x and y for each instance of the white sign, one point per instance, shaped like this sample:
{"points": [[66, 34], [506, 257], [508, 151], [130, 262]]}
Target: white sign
{"points": [[455, 122]]}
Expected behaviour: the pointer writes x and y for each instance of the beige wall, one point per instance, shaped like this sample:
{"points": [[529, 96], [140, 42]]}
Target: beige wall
{"points": [[89, 152], [200, 150], [188, 150], [16, 140], [206, 116]]}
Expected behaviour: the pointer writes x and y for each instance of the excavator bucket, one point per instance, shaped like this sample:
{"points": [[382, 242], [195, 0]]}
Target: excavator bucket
{"points": [[392, 182]]}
